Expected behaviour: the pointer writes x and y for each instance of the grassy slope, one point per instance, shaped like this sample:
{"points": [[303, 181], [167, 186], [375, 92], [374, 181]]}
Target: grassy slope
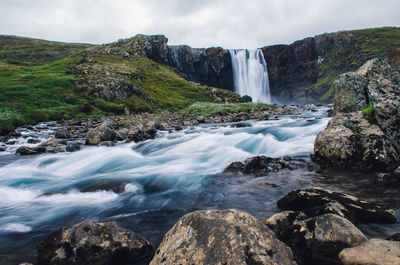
{"points": [[41, 80], [365, 44]]}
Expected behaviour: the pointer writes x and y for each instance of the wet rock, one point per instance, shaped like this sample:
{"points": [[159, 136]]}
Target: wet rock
{"points": [[106, 143], [2, 149], [33, 141], [374, 251], [93, 243], [262, 165], [141, 132], [25, 150], [394, 237], [282, 221], [72, 147], [319, 240], [221, 237], [62, 134], [317, 201], [115, 186], [100, 134]]}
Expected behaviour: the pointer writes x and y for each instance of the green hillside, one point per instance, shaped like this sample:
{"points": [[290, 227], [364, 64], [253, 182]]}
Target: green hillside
{"points": [[42, 80]]}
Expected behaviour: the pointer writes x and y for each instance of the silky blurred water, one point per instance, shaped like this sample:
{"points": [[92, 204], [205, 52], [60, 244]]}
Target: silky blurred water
{"points": [[162, 179]]}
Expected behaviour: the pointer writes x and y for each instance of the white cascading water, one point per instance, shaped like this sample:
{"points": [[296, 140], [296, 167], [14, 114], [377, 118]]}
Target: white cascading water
{"points": [[250, 74]]}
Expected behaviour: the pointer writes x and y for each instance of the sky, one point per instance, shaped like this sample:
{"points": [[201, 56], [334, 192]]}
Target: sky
{"points": [[198, 23]]}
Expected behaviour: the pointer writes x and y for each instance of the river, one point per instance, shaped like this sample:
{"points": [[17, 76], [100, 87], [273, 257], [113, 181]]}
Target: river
{"points": [[159, 180]]}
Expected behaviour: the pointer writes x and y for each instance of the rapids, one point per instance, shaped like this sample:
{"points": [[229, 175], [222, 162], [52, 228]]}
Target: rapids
{"points": [[162, 179]]}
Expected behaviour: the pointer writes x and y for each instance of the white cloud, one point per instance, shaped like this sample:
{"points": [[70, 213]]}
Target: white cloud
{"points": [[230, 24]]}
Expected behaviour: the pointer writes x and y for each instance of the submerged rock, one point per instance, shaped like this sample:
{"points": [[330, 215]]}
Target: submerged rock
{"points": [[319, 240], [317, 201], [374, 251], [221, 237], [93, 243], [262, 165]]}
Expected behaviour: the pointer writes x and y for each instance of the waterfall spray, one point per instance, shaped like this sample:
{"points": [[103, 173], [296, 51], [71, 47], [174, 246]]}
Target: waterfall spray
{"points": [[251, 74]]}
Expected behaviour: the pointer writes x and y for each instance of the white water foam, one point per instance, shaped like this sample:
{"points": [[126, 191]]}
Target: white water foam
{"points": [[250, 74]]}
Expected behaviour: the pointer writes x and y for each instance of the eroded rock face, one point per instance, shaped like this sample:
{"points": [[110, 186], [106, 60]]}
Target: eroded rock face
{"points": [[93, 243], [374, 251], [221, 237], [317, 201], [262, 165], [369, 139], [100, 134], [319, 240]]}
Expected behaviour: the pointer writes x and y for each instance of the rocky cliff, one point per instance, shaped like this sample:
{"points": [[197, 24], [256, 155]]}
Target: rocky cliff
{"points": [[303, 71]]}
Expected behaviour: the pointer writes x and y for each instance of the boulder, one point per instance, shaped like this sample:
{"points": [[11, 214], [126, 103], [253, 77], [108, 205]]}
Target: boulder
{"points": [[350, 140], [93, 243], [374, 251], [317, 201], [262, 165], [100, 134], [25, 150], [319, 240], [221, 237]]}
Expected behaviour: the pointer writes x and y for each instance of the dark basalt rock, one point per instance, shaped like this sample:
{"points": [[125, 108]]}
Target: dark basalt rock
{"points": [[317, 201], [115, 186], [262, 165], [93, 243], [221, 237], [282, 221], [24, 150], [394, 237]]}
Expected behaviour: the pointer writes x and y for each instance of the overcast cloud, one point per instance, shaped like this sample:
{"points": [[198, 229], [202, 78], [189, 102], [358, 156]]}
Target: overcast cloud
{"points": [[199, 23]]}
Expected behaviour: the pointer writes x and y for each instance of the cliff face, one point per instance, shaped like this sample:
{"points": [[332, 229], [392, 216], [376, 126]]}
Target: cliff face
{"points": [[303, 71]]}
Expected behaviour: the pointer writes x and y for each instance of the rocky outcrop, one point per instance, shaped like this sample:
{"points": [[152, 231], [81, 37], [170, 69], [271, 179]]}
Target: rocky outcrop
{"points": [[317, 201], [93, 243], [221, 237], [365, 131], [319, 240], [262, 165], [374, 251]]}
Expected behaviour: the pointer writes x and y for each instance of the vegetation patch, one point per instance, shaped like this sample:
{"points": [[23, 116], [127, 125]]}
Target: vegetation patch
{"points": [[208, 109], [368, 111]]}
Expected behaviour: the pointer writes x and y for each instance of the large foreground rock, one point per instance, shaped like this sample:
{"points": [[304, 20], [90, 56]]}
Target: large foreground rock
{"points": [[319, 240], [317, 201], [94, 243], [361, 137], [221, 237], [372, 252]]}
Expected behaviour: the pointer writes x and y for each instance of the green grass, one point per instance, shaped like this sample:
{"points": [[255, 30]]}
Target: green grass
{"points": [[368, 111], [208, 109]]}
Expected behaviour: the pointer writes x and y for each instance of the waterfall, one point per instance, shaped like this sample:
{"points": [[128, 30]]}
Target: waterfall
{"points": [[251, 74]]}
